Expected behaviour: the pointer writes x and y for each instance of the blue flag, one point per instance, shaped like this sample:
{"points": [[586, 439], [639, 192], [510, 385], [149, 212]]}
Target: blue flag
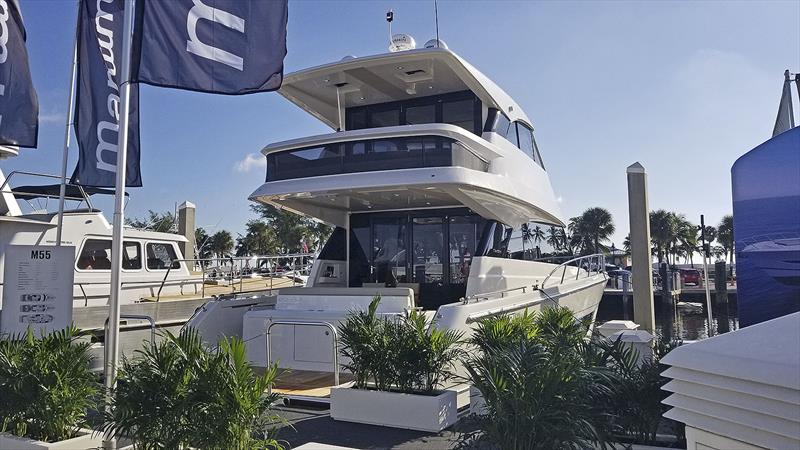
{"points": [[19, 105], [98, 97], [218, 46]]}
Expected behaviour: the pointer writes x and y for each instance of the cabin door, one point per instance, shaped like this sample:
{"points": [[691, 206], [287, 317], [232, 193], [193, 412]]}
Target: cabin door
{"points": [[429, 260]]}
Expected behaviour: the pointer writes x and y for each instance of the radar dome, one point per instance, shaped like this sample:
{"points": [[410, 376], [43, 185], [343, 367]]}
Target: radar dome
{"points": [[436, 43], [401, 42]]}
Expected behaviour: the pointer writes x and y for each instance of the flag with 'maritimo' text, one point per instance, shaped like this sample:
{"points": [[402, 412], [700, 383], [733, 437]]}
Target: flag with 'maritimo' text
{"points": [[98, 97], [19, 105], [217, 46]]}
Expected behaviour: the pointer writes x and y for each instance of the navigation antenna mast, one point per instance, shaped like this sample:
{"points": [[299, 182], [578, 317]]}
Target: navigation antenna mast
{"points": [[436, 18], [389, 19]]}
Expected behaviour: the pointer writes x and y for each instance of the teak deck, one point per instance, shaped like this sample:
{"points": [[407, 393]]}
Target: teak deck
{"points": [[307, 383]]}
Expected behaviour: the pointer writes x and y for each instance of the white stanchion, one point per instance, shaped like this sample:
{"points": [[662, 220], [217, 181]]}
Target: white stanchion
{"points": [[112, 339], [70, 114]]}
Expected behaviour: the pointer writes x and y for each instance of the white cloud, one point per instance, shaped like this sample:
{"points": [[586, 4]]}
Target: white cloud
{"points": [[54, 117], [250, 162]]}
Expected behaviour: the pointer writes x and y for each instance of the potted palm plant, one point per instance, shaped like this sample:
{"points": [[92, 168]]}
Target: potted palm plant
{"points": [[542, 386], [399, 365], [46, 388], [177, 394]]}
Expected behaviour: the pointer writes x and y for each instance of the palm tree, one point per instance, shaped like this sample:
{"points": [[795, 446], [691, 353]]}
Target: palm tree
{"points": [[595, 225], [527, 235], [554, 238], [538, 236], [221, 243], [725, 236], [662, 232], [626, 244], [685, 242]]}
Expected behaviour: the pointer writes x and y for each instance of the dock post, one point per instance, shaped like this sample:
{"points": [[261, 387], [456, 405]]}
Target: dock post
{"points": [[721, 296], [186, 228], [626, 294], [641, 257]]}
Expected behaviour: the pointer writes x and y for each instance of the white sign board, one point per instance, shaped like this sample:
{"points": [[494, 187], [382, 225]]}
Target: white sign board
{"points": [[37, 288]]}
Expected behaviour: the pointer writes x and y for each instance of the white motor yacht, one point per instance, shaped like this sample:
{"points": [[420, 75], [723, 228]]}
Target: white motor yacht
{"points": [[429, 175]]}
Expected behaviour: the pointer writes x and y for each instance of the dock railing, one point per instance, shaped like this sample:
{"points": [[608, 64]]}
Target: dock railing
{"points": [[226, 268]]}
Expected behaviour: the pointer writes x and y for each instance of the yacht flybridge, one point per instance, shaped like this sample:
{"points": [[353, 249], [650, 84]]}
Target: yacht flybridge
{"points": [[429, 176]]}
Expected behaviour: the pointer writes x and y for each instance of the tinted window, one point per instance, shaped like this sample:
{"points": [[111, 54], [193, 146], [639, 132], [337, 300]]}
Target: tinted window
{"points": [[538, 156], [502, 124], [334, 249], [384, 146], [525, 139], [512, 134], [494, 240], [161, 256], [420, 114], [460, 113], [389, 118], [96, 255], [464, 234], [357, 119]]}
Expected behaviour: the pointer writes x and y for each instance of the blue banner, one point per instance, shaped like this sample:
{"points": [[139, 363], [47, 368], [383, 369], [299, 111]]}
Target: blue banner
{"points": [[98, 97], [766, 227], [218, 46], [19, 105]]}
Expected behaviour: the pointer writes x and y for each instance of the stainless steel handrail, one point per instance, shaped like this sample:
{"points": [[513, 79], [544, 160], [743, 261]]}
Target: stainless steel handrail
{"points": [[334, 336], [136, 317], [45, 175], [594, 264]]}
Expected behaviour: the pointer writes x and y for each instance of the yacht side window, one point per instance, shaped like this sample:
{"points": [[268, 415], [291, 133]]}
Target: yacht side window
{"points": [[512, 134], [460, 113], [161, 255], [96, 255], [525, 139], [538, 156], [502, 126]]}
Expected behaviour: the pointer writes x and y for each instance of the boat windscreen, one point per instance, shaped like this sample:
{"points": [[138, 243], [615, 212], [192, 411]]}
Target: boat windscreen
{"points": [[53, 191]]}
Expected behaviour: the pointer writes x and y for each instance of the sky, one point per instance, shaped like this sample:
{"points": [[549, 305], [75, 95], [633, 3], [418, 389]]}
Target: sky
{"points": [[684, 88]]}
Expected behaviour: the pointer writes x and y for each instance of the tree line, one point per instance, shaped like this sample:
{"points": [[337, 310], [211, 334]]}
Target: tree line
{"points": [[672, 236], [275, 231], [272, 232]]}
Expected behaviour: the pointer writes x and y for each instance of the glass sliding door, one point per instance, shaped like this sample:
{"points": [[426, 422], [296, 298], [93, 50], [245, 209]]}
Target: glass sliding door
{"points": [[389, 250], [433, 249], [430, 258]]}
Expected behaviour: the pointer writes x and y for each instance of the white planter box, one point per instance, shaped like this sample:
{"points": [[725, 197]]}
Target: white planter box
{"points": [[86, 440], [393, 409]]}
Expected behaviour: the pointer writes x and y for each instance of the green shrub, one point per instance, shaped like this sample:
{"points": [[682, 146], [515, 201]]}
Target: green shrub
{"points": [[547, 385], [637, 407], [406, 353], [46, 386], [177, 394], [541, 389]]}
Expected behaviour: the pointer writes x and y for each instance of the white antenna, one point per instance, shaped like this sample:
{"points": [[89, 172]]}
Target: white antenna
{"points": [[436, 16]]}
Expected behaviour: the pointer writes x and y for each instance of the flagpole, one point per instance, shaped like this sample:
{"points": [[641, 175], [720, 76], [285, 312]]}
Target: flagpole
{"points": [[70, 110], [112, 339]]}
